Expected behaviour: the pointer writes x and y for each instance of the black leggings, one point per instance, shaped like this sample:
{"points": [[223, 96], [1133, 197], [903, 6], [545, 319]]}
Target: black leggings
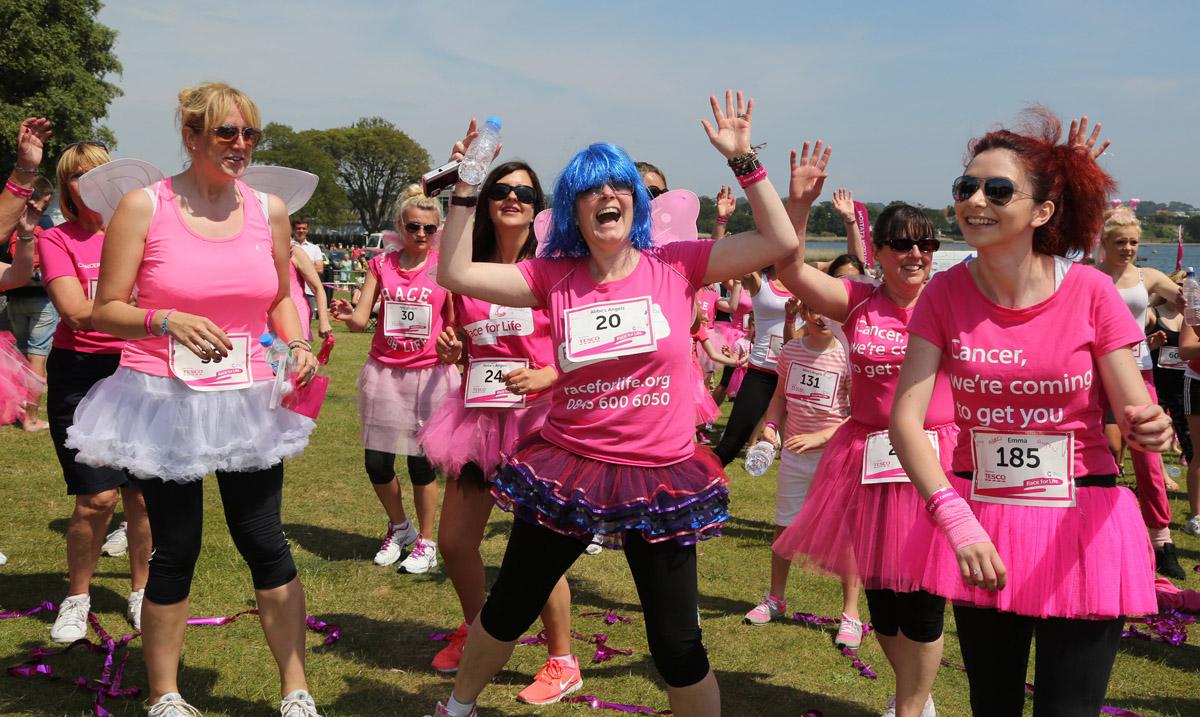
{"points": [[664, 573], [1073, 662], [251, 501], [381, 468], [751, 403], [921, 616]]}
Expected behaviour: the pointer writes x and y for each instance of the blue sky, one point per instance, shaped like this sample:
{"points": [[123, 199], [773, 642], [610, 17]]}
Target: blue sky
{"points": [[896, 88]]}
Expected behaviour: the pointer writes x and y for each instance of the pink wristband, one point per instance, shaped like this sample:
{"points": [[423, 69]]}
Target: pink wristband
{"points": [[149, 320], [757, 175], [722, 220], [958, 523], [772, 425], [18, 190], [939, 497]]}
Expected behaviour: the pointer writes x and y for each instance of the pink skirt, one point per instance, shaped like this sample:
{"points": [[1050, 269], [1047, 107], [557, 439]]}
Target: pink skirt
{"points": [[850, 530], [1093, 561], [706, 408], [456, 435], [394, 403], [735, 382], [19, 383], [728, 333]]}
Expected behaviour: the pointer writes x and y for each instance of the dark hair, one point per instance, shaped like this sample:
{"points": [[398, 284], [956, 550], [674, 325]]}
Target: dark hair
{"points": [[645, 168], [483, 237], [299, 220], [42, 188], [842, 260], [1060, 173], [901, 220]]}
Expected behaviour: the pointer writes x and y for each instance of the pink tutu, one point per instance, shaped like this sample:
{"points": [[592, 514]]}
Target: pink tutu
{"points": [[583, 497], [706, 407], [729, 335], [19, 384], [735, 381], [1093, 561], [394, 402], [456, 435], [848, 529]]}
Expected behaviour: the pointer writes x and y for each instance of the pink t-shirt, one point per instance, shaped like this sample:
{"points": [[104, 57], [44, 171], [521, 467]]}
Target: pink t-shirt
{"points": [[877, 330], [411, 305], [231, 281], [816, 384], [636, 409], [1031, 369], [503, 332], [707, 298], [743, 310], [68, 250]]}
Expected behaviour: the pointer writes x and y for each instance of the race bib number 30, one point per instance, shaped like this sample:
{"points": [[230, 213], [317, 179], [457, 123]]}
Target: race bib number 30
{"points": [[406, 318], [609, 329], [1023, 468], [880, 463], [813, 385], [485, 384], [230, 374]]}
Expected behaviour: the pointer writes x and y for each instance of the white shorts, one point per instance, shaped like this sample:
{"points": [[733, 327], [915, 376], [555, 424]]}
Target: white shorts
{"points": [[796, 471]]}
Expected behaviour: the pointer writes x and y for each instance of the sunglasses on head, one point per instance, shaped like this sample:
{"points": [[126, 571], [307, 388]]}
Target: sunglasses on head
{"points": [[500, 191], [87, 143], [997, 190], [655, 191], [229, 133], [414, 227], [904, 245], [620, 188]]}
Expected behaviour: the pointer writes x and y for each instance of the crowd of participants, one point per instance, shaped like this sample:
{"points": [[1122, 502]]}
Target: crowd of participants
{"points": [[949, 438]]}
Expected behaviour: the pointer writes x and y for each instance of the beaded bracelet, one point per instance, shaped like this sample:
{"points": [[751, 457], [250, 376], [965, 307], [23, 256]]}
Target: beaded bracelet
{"points": [[300, 343], [163, 328], [25, 170], [745, 162], [18, 190]]}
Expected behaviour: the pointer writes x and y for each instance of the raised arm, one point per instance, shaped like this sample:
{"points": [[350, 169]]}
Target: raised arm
{"points": [[726, 204], [15, 212], [843, 204]]}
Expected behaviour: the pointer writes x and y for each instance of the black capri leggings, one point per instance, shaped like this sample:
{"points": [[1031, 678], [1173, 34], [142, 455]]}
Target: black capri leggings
{"points": [[1071, 668], [664, 573], [921, 616], [381, 468], [751, 403], [251, 501]]}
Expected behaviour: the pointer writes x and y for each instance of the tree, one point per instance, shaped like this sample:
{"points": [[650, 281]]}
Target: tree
{"points": [[56, 59], [283, 146], [374, 161]]}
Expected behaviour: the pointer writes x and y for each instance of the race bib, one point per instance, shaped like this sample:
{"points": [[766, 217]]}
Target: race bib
{"points": [[813, 385], [406, 318], [609, 329], [1139, 350], [485, 384], [230, 374], [880, 463], [91, 288], [774, 346], [1029, 468], [1168, 357]]}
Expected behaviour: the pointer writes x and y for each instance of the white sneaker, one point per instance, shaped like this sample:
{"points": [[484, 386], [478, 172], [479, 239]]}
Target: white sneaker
{"points": [[117, 542], [1192, 526], [3, 559], [928, 711], [71, 623], [394, 543], [298, 704], [134, 612], [172, 705], [421, 559], [595, 547]]}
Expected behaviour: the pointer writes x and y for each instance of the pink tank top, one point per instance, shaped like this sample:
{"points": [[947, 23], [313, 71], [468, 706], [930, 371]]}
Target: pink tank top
{"points": [[412, 312], [231, 281], [743, 310], [500, 332]]}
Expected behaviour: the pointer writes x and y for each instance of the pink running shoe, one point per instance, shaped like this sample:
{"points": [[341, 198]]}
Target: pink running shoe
{"points": [[553, 682], [449, 656], [769, 609], [850, 633]]}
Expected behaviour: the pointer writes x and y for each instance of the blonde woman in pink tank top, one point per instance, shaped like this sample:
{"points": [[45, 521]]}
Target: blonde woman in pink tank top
{"points": [[193, 389]]}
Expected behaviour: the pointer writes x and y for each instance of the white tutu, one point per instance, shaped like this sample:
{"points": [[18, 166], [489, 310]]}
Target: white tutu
{"points": [[156, 427]]}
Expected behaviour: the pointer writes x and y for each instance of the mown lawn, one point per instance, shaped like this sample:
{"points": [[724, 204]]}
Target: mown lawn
{"points": [[381, 664]]}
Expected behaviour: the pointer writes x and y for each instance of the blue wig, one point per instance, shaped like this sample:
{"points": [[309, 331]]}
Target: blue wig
{"points": [[592, 167]]}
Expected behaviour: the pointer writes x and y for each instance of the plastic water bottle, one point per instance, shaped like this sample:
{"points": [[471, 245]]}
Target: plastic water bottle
{"points": [[759, 458], [1191, 296], [474, 166], [279, 359]]}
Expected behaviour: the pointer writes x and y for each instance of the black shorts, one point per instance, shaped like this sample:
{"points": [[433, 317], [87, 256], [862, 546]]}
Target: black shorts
{"points": [[69, 377], [1191, 396]]}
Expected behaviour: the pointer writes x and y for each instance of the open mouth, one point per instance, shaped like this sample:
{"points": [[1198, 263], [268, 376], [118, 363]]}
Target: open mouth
{"points": [[980, 221], [512, 209], [608, 215]]}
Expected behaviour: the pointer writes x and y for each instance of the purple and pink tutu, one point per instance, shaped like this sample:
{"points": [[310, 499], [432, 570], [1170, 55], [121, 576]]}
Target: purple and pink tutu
{"points": [[395, 402], [584, 497], [456, 435], [851, 530], [1093, 561], [19, 383]]}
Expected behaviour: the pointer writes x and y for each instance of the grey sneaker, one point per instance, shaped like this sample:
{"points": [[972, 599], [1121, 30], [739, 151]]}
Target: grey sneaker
{"points": [[1192, 526], [298, 704], [172, 705]]}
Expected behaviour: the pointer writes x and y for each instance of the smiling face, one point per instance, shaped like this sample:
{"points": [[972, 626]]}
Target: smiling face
{"points": [[1121, 244], [509, 212], [985, 224], [229, 158], [604, 215]]}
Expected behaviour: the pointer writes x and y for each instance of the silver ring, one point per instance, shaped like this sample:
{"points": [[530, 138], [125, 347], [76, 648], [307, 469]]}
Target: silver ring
{"points": [[977, 573], [741, 115]]}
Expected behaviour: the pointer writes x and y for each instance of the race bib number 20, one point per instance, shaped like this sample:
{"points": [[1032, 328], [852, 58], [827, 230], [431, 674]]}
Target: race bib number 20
{"points": [[609, 329]]}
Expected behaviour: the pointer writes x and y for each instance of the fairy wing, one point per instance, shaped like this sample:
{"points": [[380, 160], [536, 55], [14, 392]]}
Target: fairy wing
{"points": [[294, 186], [673, 217], [101, 189]]}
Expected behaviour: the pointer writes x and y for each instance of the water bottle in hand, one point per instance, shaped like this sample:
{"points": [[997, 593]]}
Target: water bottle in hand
{"points": [[279, 358], [759, 458], [475, 164], [1191, 296]]}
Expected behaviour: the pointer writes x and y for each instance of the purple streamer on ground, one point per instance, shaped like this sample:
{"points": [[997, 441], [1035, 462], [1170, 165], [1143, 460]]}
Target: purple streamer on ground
{"points": [[611, 617], [864, 670], [597, 704], [1169, 628], [603, 651]]}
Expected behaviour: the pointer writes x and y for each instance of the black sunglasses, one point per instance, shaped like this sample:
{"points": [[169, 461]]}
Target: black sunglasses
{"points": [[997, 190], [655, 191], [500, 191], [87, 143], [228, 133], [414, 227], [904, 245]]}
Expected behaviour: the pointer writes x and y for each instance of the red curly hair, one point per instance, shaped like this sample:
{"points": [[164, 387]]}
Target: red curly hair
{"points": [[1064, 174]]}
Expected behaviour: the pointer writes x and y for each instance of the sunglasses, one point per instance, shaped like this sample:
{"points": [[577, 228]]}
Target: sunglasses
{"points": [[87, 143], [618, 188], [997, 190], [500, 191], [414, 227], [229, 133], [904, 245], [655, 191]]}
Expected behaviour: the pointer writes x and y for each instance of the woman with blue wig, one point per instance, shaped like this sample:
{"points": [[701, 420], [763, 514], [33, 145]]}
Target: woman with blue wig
{"points": [[615, 458]]}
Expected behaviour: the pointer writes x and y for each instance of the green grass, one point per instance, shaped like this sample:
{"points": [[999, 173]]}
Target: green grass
{"points": [[381, 664]]}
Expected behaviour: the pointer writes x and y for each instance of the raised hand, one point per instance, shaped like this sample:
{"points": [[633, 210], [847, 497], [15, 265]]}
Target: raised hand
{"points": [[448, 347], [726, 204], [31, 141], [1077, 136], [341, 310], [808, 173], [843, 203], [731, 133], [459, 150]]}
